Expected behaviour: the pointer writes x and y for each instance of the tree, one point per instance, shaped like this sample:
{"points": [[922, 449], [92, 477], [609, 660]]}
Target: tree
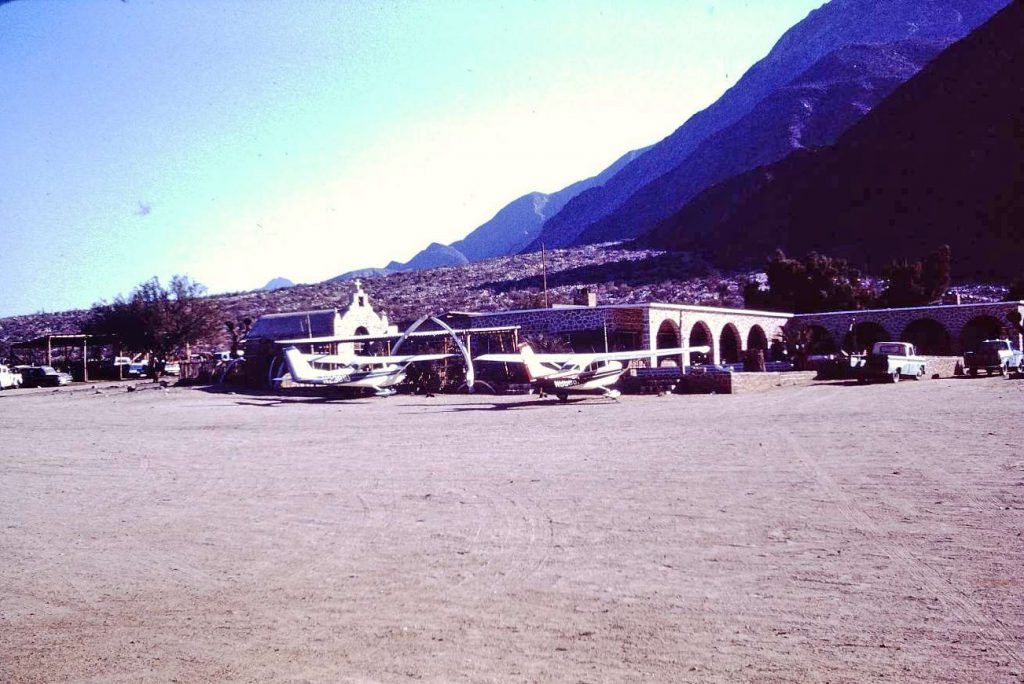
{"points": [[156, 320], [817, 283], [237, 330], [917, 283], [1016, 292]]}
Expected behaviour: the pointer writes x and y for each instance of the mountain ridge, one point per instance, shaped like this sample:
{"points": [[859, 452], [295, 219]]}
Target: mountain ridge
{"points": [[833, 25], [937, 162]]}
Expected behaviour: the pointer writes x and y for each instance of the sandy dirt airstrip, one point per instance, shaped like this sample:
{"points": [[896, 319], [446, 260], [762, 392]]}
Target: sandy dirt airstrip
{"points": [[825, 533]]}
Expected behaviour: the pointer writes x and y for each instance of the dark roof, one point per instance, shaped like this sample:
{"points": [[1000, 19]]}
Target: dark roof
{"points": [[296, 324]]}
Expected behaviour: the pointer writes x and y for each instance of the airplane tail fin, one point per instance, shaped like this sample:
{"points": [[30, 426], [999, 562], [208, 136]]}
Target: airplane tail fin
{"points": [[300, 369], [534, 370]]}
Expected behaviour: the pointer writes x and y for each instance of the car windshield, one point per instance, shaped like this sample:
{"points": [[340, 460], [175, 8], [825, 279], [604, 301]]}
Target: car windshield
{"points": [[48, 370], [992, 346], [890, 349]]}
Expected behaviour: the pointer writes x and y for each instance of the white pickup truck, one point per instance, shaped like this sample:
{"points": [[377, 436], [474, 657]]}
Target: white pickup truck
{"points": [[994, 356], [891, 361], [9, 379]]}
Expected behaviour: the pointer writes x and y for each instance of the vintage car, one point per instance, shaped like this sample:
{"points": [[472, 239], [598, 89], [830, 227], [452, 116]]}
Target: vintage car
{"points": [[42, 376], [9, 379], [891, 361], [994, 356]]}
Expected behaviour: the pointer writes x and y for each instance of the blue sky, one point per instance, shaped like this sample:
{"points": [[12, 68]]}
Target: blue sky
{"points": [[238, 140]]}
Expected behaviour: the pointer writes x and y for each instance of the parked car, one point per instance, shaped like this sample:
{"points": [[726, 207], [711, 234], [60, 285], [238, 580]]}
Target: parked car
{"points": [[9, 379], [137, 370], [994, 356], [42, 376], [172, 368], [891, 361]]}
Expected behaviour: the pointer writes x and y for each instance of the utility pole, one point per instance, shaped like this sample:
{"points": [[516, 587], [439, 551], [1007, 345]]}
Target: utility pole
{"points": [[544, 266]]}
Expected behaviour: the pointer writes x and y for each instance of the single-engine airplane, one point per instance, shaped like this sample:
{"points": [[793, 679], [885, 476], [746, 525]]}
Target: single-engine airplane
{"points": [[379, 373], [565, 374]]}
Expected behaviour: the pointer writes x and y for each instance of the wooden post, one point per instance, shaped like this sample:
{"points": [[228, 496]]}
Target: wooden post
{"points": [[49, 351], [85, 360]]}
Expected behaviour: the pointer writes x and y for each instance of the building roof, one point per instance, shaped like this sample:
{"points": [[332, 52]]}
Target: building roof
{"points": [[320, 323]]}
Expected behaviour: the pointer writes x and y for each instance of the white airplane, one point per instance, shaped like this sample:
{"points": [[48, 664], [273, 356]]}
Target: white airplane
{"points": [[565, 374], [379, 373]]}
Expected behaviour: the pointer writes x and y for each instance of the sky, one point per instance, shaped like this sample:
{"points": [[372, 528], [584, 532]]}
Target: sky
{"points": [[234, 141]]}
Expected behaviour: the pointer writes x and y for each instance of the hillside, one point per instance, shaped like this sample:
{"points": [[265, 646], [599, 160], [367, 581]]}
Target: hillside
{"points": [[835, 25], [810, 112], [508, 232], [939, 161], [615, 274]]}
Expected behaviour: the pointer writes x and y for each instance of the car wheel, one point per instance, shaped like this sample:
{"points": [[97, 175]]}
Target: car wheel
{"points": [[895, 376], [974, 372], [562, 396], [1004, 369], [920, 373]]}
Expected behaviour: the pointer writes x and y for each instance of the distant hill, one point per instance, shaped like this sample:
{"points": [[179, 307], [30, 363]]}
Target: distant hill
{"points": [[939, 161], [277, 284], [435, 255], [825, 32], [511, 229], [520, 222]]}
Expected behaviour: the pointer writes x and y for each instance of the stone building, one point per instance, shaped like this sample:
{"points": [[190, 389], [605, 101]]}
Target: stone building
{"points": [[642, 326], [936, 330]]}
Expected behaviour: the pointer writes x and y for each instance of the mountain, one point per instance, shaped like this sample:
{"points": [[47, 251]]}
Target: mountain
{"points": [[939, 161], [511, 229], [825, 31], [360, 273], [520, 222], [810, 112], [434, 256], [277, 283]]}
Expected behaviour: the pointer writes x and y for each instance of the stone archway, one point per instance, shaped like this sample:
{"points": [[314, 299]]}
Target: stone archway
{"points": [[359, 347], [668, 335], [864, 335], [819, 340], [730, 344], [928, 337], [756, 339], [700, 336], [980, 328], [667, 338]]}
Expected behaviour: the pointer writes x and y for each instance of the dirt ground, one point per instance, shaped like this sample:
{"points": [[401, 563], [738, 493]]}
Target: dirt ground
{"points": [[825, 533]]}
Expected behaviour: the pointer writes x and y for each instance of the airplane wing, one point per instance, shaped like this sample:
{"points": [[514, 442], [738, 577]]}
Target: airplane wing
{"points": [[392, 336], [354, 360], [518, 358], [399, 360], [644, 354], [596, 357]]}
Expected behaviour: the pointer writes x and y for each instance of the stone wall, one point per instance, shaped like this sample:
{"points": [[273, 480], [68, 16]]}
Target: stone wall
{"points": [[742, 383]]}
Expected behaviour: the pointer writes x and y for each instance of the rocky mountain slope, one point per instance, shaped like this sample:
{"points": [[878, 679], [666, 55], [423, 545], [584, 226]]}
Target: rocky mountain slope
{"points": [[838, 24], [810, 112], [939, 161]]}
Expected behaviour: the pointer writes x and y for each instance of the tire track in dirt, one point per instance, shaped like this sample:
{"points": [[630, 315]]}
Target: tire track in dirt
{"points": [[961, 606]]}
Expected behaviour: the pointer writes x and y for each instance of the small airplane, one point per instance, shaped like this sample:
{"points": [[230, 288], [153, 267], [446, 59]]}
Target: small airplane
{"points": [[565, 374], [379, 373]]}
